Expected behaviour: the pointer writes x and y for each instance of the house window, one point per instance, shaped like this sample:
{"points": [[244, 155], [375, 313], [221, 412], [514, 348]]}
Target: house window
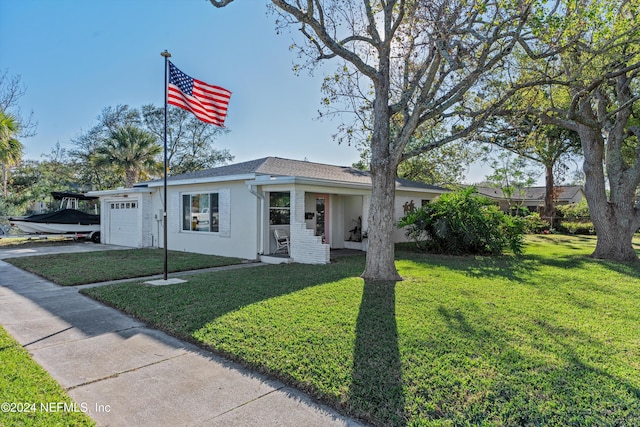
{"points": [[129, 205], [279, 208], [200, 212], [424, 202]]}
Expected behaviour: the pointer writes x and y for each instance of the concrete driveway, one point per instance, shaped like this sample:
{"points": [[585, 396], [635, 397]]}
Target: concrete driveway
{"points": [[35, 248]]}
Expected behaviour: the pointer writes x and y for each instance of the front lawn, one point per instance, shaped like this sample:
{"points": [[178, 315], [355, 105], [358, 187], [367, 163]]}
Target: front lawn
{"points": [[93, 267], [547, 339], [29, 396]]}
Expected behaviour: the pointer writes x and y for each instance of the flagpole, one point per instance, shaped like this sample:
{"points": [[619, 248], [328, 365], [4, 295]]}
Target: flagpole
{"points": [[166, 55]]}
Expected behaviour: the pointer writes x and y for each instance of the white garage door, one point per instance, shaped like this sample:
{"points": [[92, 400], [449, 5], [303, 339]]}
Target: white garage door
{"points": [[122, 226]]}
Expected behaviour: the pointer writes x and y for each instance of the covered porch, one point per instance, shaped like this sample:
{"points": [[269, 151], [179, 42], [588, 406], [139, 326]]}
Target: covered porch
{"points": [[315, 223]]}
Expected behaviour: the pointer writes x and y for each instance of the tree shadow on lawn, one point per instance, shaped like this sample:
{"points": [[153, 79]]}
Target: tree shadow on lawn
{"points": [[376, 389], [516, 269], [585, 265], [564, 239], [508, 267], [188, 307], [478, 369], [569, 344], [472, 336]]}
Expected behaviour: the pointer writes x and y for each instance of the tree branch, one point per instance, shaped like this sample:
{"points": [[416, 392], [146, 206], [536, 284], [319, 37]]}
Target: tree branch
{"points": [[220, 3], [333, 45]]}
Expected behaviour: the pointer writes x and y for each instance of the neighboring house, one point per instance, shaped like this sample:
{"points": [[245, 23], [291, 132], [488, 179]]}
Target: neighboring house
{"points": [[233, 210], [38, 207], [533, 197]]}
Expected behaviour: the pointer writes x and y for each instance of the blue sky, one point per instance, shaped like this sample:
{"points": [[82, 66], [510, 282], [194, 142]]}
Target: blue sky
{"points": [[77, 57]]}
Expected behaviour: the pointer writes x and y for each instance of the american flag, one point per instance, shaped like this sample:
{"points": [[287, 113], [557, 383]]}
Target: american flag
{"points": [[208, 103]]}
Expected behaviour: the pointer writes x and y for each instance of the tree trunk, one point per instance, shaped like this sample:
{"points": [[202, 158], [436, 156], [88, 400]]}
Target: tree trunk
{"points": [[549, 209], [380, 263], [615, 219], [614, 242], [131, 177]]}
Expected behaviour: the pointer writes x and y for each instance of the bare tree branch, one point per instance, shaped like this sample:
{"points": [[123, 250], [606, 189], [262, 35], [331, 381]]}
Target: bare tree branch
{"points": [[333, 45], [220, 3]]}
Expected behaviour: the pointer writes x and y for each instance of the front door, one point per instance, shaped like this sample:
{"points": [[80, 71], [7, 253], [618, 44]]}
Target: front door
{"points": [[322, 217]]}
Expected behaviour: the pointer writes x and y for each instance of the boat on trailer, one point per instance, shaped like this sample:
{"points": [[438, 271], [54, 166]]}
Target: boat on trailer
{"points": [[67, 220]]}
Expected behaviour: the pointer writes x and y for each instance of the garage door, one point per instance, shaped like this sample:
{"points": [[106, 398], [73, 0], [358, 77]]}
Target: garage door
{"points": [[122, 226]]}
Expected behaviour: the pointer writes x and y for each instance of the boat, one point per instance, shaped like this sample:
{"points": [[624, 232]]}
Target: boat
{"points": [[66, 220]]}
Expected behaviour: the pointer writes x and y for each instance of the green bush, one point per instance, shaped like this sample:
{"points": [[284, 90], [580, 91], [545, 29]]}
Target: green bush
{"points": [[576, 227], [534, 224], [464, 223], [574, 210], [575, 218]]}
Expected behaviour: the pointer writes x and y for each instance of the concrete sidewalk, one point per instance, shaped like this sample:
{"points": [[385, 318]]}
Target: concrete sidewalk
{"points": [[128, 374]]}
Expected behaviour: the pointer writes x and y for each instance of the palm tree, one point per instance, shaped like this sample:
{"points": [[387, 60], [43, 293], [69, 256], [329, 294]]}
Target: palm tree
{"points": [[10, 147], [131, 150]]}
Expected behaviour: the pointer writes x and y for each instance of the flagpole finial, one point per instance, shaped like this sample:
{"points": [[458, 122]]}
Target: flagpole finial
{"points": [[166, 54]]}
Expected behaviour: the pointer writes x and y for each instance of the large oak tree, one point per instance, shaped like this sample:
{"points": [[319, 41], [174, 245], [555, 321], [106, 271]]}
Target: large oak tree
{"points": [[412, 63], [591, 85]]}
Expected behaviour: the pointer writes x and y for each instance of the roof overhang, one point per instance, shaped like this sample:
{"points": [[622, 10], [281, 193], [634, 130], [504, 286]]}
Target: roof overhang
{"points": [[262, 180], [204, 180], [265, 180], [118, 192], [422, 190]]}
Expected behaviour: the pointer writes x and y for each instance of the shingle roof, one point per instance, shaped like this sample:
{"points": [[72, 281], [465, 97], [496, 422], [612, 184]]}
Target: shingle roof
{"points": [[531, 193], [276, 166]]}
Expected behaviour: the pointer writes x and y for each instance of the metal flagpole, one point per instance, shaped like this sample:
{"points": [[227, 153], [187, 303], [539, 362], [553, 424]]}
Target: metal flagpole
{"points": [[166, 55]]}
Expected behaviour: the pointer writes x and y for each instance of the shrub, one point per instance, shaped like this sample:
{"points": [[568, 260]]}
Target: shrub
{"points": [[464, 223], [574, 210], [575, 218], [535, 224], [576, 227]]}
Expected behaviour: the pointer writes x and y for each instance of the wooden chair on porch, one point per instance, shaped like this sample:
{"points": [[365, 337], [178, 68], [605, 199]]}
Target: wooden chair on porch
{"points": [[282, 240]]}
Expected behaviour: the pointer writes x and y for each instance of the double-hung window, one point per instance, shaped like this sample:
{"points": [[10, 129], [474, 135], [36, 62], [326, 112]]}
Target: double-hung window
{"points": [[280, 208], [200, 212]]}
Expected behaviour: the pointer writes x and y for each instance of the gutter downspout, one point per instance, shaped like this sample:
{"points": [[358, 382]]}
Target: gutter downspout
{"points": [[252, 190]]}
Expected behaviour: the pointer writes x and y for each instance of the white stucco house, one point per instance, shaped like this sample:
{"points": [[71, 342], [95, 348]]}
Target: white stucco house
{"points": [[233, 210]]}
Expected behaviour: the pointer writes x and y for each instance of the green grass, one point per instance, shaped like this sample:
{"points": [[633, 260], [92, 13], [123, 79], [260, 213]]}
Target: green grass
{"points": [[547, 339], [24, 386], [91, 267]]}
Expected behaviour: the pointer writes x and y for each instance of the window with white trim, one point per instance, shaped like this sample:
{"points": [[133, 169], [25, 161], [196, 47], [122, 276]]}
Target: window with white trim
{"points": [[200, 212], [280, 208]]}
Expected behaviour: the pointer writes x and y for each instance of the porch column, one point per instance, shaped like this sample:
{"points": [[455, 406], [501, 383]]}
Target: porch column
{"points": [[305, 247], [366, 203]]}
